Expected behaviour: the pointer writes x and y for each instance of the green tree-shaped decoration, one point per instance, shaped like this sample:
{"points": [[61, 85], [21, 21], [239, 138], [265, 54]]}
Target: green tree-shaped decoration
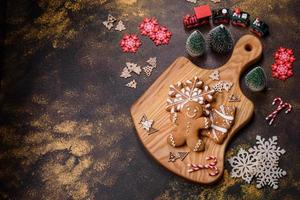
{"points": [[195, 44], [256, 79], [220, 39]]}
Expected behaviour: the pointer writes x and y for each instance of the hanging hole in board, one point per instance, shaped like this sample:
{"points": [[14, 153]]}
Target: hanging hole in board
{"points": [[248, 47]]}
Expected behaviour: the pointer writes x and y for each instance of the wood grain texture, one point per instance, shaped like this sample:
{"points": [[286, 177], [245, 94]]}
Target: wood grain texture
{"points": [[153, 102]]}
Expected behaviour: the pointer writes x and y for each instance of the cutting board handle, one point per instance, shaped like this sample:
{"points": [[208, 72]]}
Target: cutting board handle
{"points": [[247, 51]]}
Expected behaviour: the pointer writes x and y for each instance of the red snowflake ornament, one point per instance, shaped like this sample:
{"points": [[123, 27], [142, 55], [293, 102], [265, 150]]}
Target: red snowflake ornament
{"points": [[130, 43], [282, 68], [161, 36], [284, 55], [282, 71], [148, 26]]}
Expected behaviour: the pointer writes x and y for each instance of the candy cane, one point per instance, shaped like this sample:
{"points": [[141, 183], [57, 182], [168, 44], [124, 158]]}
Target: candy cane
{"points": [[215, 172], [289, 107], [196, 167], [281, 106], [211, 166], [277, 99], [211, 158], [214, 162]]}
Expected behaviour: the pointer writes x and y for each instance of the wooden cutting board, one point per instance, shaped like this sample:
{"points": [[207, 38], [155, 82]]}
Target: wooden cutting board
{"points": [[153, 103]]}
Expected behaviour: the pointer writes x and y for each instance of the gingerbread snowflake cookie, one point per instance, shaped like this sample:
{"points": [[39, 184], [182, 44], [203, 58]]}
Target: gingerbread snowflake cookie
{"points": [[191, 103]]}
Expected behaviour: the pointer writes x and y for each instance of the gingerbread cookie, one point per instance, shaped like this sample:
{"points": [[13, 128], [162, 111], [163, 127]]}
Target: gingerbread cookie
{"points": [[222, 120], [190, 120], [189, 103], [191, 90]]}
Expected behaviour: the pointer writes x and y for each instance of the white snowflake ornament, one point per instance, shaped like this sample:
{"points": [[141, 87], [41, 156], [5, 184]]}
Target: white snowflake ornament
{"points": [[243, 165], [267, 149], [260, 161], [268, 173]]}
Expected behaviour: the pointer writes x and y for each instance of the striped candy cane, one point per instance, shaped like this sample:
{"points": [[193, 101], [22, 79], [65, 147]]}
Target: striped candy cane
{"points": [[211, 166], [289, 107], [280, 107]]}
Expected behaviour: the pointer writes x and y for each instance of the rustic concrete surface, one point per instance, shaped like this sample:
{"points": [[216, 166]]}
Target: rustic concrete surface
{"points": [[65, 127]]}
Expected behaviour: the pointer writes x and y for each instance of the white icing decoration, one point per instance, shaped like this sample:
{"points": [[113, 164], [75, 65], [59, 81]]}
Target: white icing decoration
{"points": [[218, 128], [223, 115], [191, 90]]}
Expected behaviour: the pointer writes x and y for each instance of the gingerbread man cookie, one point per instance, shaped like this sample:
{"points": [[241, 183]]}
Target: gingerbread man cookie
{"points": [[190, 121], [189, 105]]}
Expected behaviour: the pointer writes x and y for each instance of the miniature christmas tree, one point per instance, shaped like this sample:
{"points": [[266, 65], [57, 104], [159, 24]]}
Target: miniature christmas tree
{"points": [[195, 44], [256, 79], [220, 39]]}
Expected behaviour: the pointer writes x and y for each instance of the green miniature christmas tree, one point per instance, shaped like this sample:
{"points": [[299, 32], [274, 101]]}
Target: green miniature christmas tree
{"points": [[220, 39], [256, 79], [195, 44]]}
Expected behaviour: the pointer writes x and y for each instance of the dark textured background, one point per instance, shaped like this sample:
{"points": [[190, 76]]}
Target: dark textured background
{"points": [[65, 127]]}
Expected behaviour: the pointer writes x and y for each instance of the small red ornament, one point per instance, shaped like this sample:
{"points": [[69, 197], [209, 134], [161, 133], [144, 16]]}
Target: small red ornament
{"points": [[161, 36], [202, 11], [282, 71], [192, 21], [282, 68], [130, 43], [237, 10], [284, 55], [148, 26]]}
